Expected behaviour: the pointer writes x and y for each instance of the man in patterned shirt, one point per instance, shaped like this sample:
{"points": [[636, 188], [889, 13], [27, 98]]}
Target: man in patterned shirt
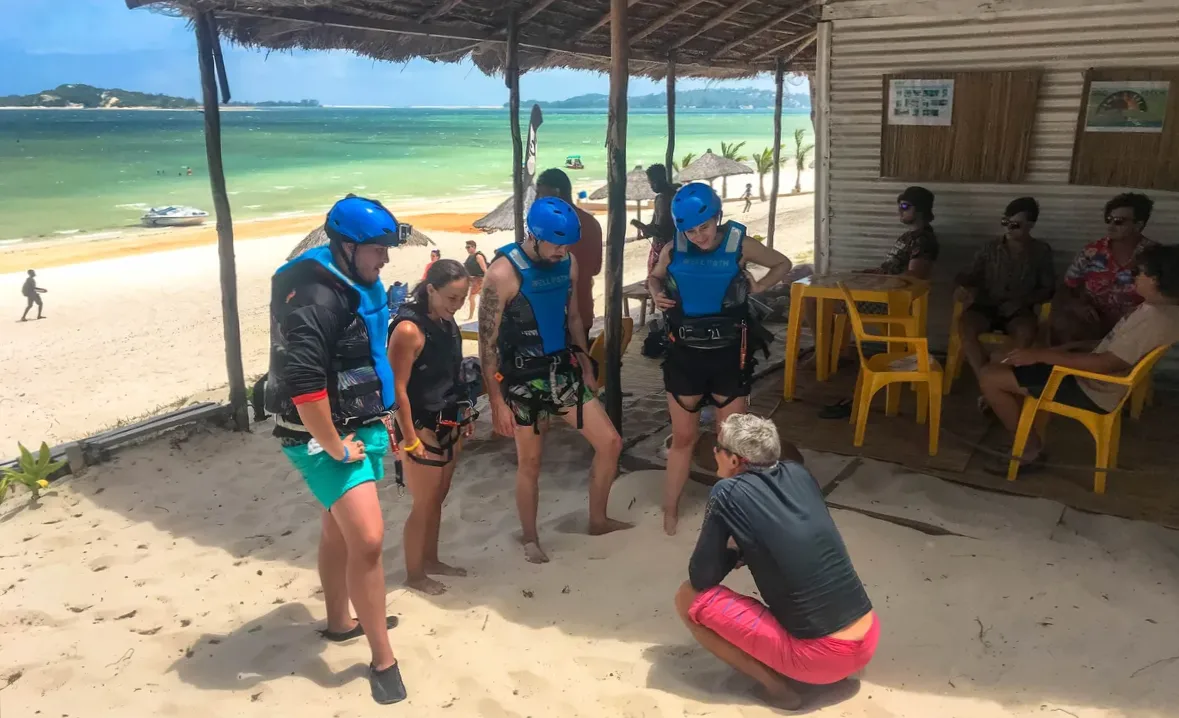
{"points": [[1010, 277], [1099, 286]]}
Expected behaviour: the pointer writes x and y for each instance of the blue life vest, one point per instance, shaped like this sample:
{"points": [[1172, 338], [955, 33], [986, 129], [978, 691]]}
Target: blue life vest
{"points": [[546, 292], [702, 279], [373, 311]]}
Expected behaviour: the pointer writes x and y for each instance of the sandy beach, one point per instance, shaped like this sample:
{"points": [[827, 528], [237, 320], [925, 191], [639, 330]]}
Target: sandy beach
{"points": [[134, 324]]}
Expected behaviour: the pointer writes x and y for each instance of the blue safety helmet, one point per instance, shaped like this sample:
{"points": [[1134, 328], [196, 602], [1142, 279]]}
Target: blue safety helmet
{"points": [[364, 221], [552, 220], [694, 204]]}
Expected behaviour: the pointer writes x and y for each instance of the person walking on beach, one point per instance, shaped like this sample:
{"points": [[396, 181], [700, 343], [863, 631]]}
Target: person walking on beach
{"points": [[535, 365], [331, 388], [476, 266], [433, 412], [32, 293], [748, 197], [702, 285], [587, 250], [817, 625]]}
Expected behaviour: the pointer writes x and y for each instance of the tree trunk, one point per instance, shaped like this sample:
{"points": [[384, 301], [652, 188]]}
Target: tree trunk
{"points": [[761, 185], [616, 219], [724, 187], [512, 76], [779, 78]]}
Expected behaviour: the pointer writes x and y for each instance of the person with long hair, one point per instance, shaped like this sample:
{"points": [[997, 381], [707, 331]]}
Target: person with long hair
{"points": [[433, 413]]}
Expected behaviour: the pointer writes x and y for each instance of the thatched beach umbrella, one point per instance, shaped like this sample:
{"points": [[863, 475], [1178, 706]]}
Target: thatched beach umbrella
{"points": [[503, 217], [318, 238], [638, 188], [709, 166]]}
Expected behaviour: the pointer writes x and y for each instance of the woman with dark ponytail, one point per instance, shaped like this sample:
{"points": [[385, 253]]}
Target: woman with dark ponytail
{"points": [[433, 413]]}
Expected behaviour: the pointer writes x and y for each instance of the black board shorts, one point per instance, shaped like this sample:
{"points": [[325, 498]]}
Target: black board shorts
{"points": [[1034, 377], [707, 372]]}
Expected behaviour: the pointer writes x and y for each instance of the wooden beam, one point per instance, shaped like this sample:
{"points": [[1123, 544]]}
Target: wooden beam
{"points": [[602, 22], [779, 77], [206, 39], [440, 10], [714, 21], [616, 220], [669, 156], [773, 22], [512, 75], [685, 6], [803, 42], [537, 7]]}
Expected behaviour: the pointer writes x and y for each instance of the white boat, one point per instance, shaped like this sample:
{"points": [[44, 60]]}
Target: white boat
{"points": [[174, 217]]}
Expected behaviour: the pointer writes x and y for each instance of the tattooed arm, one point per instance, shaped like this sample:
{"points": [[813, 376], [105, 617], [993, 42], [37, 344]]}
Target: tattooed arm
{"points": [[500, 286]]}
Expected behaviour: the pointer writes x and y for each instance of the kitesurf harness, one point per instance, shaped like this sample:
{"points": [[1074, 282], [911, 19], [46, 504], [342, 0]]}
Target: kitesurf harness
{"points": [[438, 398], [533, 337]]}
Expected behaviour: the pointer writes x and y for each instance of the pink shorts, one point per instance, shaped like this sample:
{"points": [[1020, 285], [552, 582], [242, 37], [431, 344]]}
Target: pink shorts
{"points": [[748, 624]]}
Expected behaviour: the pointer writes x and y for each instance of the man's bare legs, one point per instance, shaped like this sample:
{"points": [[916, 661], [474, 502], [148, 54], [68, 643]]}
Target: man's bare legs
{"points": [[1022, 332], [970, 326], [685, 428], [528, 449], [357, 515], [777, 691], [1005, 397], [599, 431], [333, 576]]}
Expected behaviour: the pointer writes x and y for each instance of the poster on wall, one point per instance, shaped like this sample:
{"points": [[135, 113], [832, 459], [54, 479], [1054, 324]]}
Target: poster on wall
{"points": [[928, 103], [1130, 106]]}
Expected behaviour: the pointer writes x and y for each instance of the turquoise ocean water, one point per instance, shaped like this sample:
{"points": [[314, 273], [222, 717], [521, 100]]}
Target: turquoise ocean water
{"points": [[64, 172]]}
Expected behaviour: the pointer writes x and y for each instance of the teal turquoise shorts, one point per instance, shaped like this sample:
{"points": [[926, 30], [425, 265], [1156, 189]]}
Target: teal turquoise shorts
{"points": [[329, 479]]}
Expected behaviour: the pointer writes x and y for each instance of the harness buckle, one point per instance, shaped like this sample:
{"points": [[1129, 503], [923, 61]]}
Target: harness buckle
{"points": [[519, 362]]}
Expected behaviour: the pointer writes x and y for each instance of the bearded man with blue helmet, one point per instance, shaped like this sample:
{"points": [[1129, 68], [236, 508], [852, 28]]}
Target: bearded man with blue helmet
{"points": [[534, 364], [702, 284], [331, 388]]}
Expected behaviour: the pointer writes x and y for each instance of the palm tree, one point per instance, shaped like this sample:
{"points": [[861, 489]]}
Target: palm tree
{"points": [[730, 152], [800, 153], [684, 161], [764, 162]]}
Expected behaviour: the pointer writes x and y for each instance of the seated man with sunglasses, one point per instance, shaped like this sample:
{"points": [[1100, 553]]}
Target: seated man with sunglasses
{"points": [[1099, 288], [1010, 277], [817, 625]]}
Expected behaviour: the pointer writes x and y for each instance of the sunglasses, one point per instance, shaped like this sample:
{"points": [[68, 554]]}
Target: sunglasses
{"points": [[719, 447], [904, 206], [1010, 224], [1118, 221]]}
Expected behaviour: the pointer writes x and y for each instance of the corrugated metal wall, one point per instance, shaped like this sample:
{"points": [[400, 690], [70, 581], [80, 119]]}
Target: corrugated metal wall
{"points": [[871, 38]]}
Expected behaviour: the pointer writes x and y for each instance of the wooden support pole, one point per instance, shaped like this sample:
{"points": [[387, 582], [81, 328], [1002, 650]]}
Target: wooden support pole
{"points": [[616, 221], [206, 42], [779, 77], [669, 157], [513, 80]]}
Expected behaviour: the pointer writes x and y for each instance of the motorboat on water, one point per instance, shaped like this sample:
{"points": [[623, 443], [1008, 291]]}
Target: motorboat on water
{"points": [[174, 216], [573, 162]]}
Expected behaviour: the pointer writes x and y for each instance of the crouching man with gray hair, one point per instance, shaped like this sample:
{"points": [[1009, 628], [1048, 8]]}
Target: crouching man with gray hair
{"points": [[817, 625]]}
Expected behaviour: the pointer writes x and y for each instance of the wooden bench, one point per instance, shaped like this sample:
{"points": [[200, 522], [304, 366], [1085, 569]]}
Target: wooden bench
{"points": [[638, 291]]}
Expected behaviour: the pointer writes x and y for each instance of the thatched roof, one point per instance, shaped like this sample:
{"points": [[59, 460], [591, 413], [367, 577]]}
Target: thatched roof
{"points": [[709, 166], [503, 217], [317, 238], [638, 188], [710, 38]]}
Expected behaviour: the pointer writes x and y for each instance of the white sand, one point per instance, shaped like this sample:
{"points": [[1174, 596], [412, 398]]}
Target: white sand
{"points": [[180, 580], [127, 336]]}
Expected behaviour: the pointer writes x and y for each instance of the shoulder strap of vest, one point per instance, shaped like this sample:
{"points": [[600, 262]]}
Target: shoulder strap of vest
{"points": [[734, 235]]}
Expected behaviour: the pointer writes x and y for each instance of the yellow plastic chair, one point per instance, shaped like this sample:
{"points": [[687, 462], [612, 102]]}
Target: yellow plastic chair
{"points": [[954, 351], [877, 373], [1105, 428], [597, 350]]}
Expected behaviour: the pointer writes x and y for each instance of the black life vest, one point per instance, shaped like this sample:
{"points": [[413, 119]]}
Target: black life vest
{"points": [[434, 385], [471, 264]]}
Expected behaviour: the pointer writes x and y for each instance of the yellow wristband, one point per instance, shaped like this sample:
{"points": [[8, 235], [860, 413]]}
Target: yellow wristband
{"points": [[416, 443]]}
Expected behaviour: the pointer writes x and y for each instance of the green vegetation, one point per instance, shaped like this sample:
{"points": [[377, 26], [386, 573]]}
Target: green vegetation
{"points": [[731, 151], [684, 161], [763, 162], [705, 99], [31, 471], [800, 153], [89, 96]]}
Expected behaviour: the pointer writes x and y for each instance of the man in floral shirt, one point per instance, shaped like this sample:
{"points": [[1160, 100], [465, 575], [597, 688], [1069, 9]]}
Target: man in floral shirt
{"points": [[1099, 285]]}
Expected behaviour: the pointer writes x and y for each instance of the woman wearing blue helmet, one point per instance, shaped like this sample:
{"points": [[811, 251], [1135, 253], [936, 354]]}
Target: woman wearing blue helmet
{"points": [[535, 365], [702, 285], [330, 388]]}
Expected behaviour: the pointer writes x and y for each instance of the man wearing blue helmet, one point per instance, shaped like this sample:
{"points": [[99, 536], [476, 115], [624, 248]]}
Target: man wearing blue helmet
{"points": [[702, 284], [535, 365], [330, 388]]}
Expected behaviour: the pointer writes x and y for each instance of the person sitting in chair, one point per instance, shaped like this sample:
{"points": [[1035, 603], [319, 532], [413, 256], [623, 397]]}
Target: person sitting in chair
{"points": [[817, 624]]}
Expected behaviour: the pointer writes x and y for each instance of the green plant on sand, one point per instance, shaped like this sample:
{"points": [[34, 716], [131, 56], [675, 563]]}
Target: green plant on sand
{"points": [[731, 151], [800, 153], [763, 162], [684, 161], [31, 471]]}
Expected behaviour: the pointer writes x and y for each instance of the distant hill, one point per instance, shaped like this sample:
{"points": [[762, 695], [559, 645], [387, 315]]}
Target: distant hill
{"points": [[277, 103], [88, 96], [707, 99]]}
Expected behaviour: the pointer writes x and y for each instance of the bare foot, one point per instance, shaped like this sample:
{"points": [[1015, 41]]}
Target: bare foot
{"points": [[670, 522], [608, 526], [437, 568], [533, 553], [781, 697], [426, 585]]}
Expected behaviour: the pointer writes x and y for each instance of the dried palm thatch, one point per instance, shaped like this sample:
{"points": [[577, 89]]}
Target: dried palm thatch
{"points": [[638, 188], [317, 238], [710, 38], [503, 217], [710, 166]]}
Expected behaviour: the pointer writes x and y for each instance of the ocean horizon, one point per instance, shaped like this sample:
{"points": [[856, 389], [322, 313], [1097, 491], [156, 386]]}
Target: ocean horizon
{"points": [[80, 171]]}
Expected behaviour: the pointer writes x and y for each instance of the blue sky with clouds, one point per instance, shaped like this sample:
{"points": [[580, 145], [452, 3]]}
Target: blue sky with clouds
{"points": [[45, 43]]}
